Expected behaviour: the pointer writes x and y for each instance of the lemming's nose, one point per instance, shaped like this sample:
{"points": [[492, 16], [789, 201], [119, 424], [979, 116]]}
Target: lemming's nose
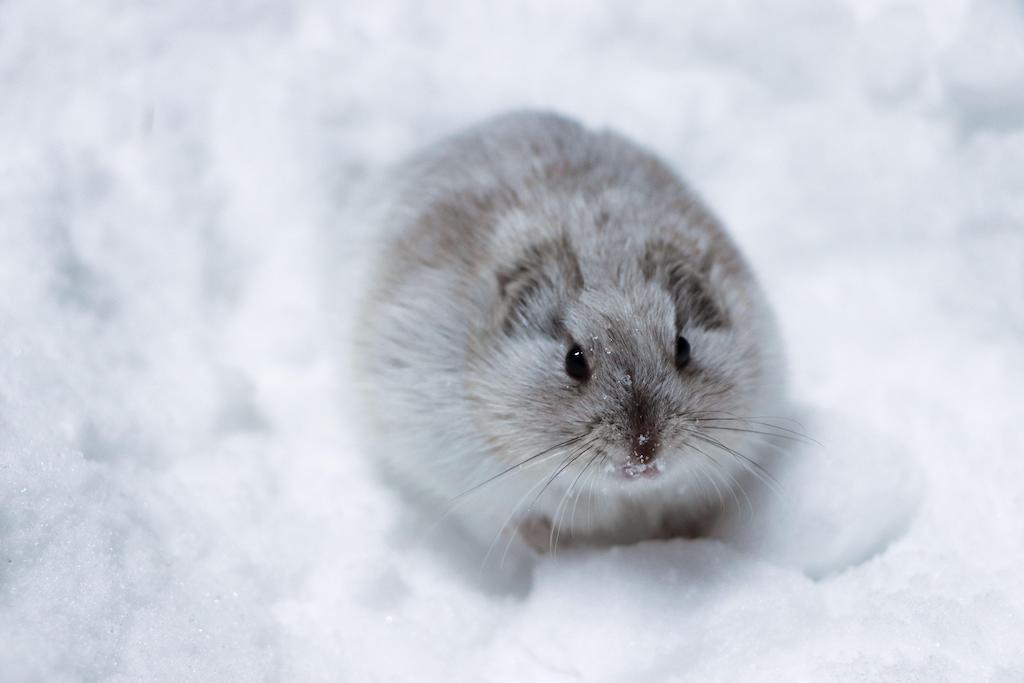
{"points": [[641, 423], [645, 448]]}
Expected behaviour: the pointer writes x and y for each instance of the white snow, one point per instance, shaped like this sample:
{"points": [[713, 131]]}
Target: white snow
{"points": [[181, 497]]}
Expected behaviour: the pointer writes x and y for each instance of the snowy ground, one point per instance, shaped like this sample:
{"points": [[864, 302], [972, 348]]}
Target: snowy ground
{"points": [[180, 495]]}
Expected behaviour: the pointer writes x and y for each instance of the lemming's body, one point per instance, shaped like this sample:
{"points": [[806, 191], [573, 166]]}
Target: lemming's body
{"points": [[560, 340]]}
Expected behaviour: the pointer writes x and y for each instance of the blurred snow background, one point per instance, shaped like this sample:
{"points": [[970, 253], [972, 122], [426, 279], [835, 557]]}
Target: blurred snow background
{"points": [[180, 495]]}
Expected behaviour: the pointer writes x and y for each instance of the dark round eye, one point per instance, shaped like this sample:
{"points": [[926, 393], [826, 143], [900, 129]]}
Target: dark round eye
{"points": [[576, 364], [682, 352]]}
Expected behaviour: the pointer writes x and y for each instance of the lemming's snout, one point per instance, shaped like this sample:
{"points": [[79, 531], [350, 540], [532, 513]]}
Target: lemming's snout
{"points": [[642, 434], [645, 448]]}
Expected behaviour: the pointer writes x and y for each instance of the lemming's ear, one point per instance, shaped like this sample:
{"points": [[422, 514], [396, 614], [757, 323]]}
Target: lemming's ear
{"points": [[534, 288], [686, 282]]}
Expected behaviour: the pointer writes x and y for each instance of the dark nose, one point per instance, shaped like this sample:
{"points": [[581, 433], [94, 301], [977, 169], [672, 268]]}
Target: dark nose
{"points": [[642, 425], [645, 448]]}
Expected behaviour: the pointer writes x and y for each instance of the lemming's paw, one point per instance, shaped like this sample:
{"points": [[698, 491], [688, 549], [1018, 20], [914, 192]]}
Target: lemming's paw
{"points": [[536, 533], [686, 526]]}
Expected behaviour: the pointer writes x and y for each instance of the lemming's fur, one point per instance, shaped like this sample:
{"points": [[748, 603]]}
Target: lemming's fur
{"points": [[507, 245]]}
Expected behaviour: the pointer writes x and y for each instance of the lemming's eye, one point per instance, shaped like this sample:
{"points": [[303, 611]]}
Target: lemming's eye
{"points": [[576, 364], [682, 352]]}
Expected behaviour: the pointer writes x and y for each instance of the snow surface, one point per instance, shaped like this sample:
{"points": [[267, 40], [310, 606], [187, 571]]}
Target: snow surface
{"points": [[181, 497]]}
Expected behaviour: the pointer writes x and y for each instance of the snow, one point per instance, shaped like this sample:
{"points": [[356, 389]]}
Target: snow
{"points": [[181, 494]]}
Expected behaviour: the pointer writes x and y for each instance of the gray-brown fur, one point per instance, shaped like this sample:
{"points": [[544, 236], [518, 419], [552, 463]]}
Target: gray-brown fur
{"points": [[505, 246]]}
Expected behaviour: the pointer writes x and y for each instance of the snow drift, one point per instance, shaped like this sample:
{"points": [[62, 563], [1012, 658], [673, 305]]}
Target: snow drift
{"points": [[181, 497]]}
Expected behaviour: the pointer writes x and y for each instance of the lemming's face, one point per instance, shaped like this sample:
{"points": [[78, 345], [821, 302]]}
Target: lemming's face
{"points": [[641, 379]]}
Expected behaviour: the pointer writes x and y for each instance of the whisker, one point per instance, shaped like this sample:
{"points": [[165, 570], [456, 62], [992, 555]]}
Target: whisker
{"points": [[759, 420], [533, 460], [736, 484], [516, 509], [554, 525], [546, 481], [784, 437], [766, 442], [589, 479], [590, 497], [516, 466], [790, 434], [749, 464], [729, 413], [556, 528], [709, 473]]}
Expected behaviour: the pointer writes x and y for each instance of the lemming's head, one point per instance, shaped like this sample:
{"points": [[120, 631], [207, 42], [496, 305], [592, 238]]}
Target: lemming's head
{"points": [[637, 363]]}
